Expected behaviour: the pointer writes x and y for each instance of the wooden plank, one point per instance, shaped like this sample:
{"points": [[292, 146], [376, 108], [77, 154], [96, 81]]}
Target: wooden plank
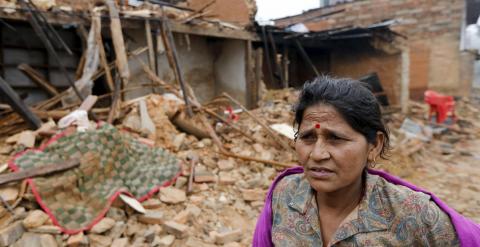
{"points": [[275, 60], [38, 79], [258, 75], [267, 56], [151, 50], [213, 32], [38, 171], [306, 57], [9, 95], [247, 158], [118, 42], [172, 56], [249, 75], [43, 37]]}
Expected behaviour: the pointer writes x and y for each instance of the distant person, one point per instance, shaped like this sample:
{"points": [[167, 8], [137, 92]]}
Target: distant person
{"points": [[335, 198]]}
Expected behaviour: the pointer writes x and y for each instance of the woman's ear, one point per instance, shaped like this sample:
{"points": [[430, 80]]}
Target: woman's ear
{"points": [[376, 147]]}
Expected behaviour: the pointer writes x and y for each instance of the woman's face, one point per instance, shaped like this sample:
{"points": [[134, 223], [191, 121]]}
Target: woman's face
{"points": [[332, 153]]}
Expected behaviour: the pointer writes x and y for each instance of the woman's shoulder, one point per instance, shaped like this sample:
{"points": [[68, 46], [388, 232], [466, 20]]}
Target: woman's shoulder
{"points": [[405, 203], [289, 184], [398, 195]]}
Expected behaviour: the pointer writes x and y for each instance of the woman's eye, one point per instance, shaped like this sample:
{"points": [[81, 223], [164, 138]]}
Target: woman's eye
{"points": [[335, 138], [308, 138]]}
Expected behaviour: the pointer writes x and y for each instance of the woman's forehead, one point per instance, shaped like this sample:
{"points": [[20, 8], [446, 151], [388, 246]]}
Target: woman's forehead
{"points": [[321, 113]]}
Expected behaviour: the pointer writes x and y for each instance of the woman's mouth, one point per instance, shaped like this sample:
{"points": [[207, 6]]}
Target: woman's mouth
{"points": [[319, 172]]}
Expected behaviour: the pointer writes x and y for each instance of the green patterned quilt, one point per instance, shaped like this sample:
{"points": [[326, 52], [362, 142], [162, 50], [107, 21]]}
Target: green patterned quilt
{"points": [[111, 162]]}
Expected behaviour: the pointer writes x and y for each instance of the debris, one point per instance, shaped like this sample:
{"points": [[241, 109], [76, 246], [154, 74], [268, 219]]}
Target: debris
{"points": [[117, 230], [118, 42], [46, 229], [38, 78], [147, 125], [270, 132], [27, 139], [152, 203], [103, 225], [120, 242], [33, 239], [226, 165], [77, 240], [204, 177], [180, 182], [133, 203], [152, 217], [253, 195], [35, 219], [9, 193], [179, 230], [166, 241], [284, 129], [172, 195], [38, 171], [99, 240], [182, 217], [10, 234], [188, 125], [414, 130], [227, 236], [9, 95]]}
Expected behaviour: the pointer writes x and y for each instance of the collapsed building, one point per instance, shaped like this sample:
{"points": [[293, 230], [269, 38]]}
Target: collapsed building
{"points": [[211, 44], [174, 163], [410, 43]]}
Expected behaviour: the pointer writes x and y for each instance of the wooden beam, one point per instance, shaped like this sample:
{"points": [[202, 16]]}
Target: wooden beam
{"points": [[306, 57], [118, 42], [247, 158], [151, 51], [52, 52], [172, 56], [258, 75], [275, 60], [213, 32], [38, 171], [17, 104], [249, 78], [267, 56], [38, 79]]}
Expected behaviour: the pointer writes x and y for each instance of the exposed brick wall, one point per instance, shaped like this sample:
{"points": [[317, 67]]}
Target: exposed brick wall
{"points": [[432, 28], [419, 19], [358, 63], [240, 12]]}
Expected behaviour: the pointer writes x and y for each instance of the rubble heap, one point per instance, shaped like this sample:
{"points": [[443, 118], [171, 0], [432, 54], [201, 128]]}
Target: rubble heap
{"points": [[227, 193]]}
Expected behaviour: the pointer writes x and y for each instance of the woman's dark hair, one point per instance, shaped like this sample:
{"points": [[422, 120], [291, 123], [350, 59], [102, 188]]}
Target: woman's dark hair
{"points": [[352, 99]]}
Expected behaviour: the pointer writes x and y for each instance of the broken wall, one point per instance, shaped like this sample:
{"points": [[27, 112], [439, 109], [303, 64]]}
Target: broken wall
{"points": [[195, 57], [20, 46], [230, 69], [239, 12], [432, 29], [356, 63], [210, 65]]}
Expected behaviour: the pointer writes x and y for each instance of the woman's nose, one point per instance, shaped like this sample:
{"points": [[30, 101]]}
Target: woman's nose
{"points": [[319, 151]]}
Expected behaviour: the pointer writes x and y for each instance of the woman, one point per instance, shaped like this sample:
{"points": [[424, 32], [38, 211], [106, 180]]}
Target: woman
{"points": [[334, 199]]}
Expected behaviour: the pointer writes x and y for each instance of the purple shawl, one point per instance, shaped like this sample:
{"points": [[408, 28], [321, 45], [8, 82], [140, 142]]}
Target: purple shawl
{"points": [[468, 232]]}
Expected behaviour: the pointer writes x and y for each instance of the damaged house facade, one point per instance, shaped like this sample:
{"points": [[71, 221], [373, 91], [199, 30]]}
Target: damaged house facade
{"points": [[211, 39], [409, 44]]}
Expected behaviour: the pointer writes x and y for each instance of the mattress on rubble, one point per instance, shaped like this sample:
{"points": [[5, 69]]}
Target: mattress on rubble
{"points": [[111, 162]]}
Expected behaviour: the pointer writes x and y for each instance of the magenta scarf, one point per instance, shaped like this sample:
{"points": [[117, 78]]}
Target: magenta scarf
{"points": [[468, 232]]}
